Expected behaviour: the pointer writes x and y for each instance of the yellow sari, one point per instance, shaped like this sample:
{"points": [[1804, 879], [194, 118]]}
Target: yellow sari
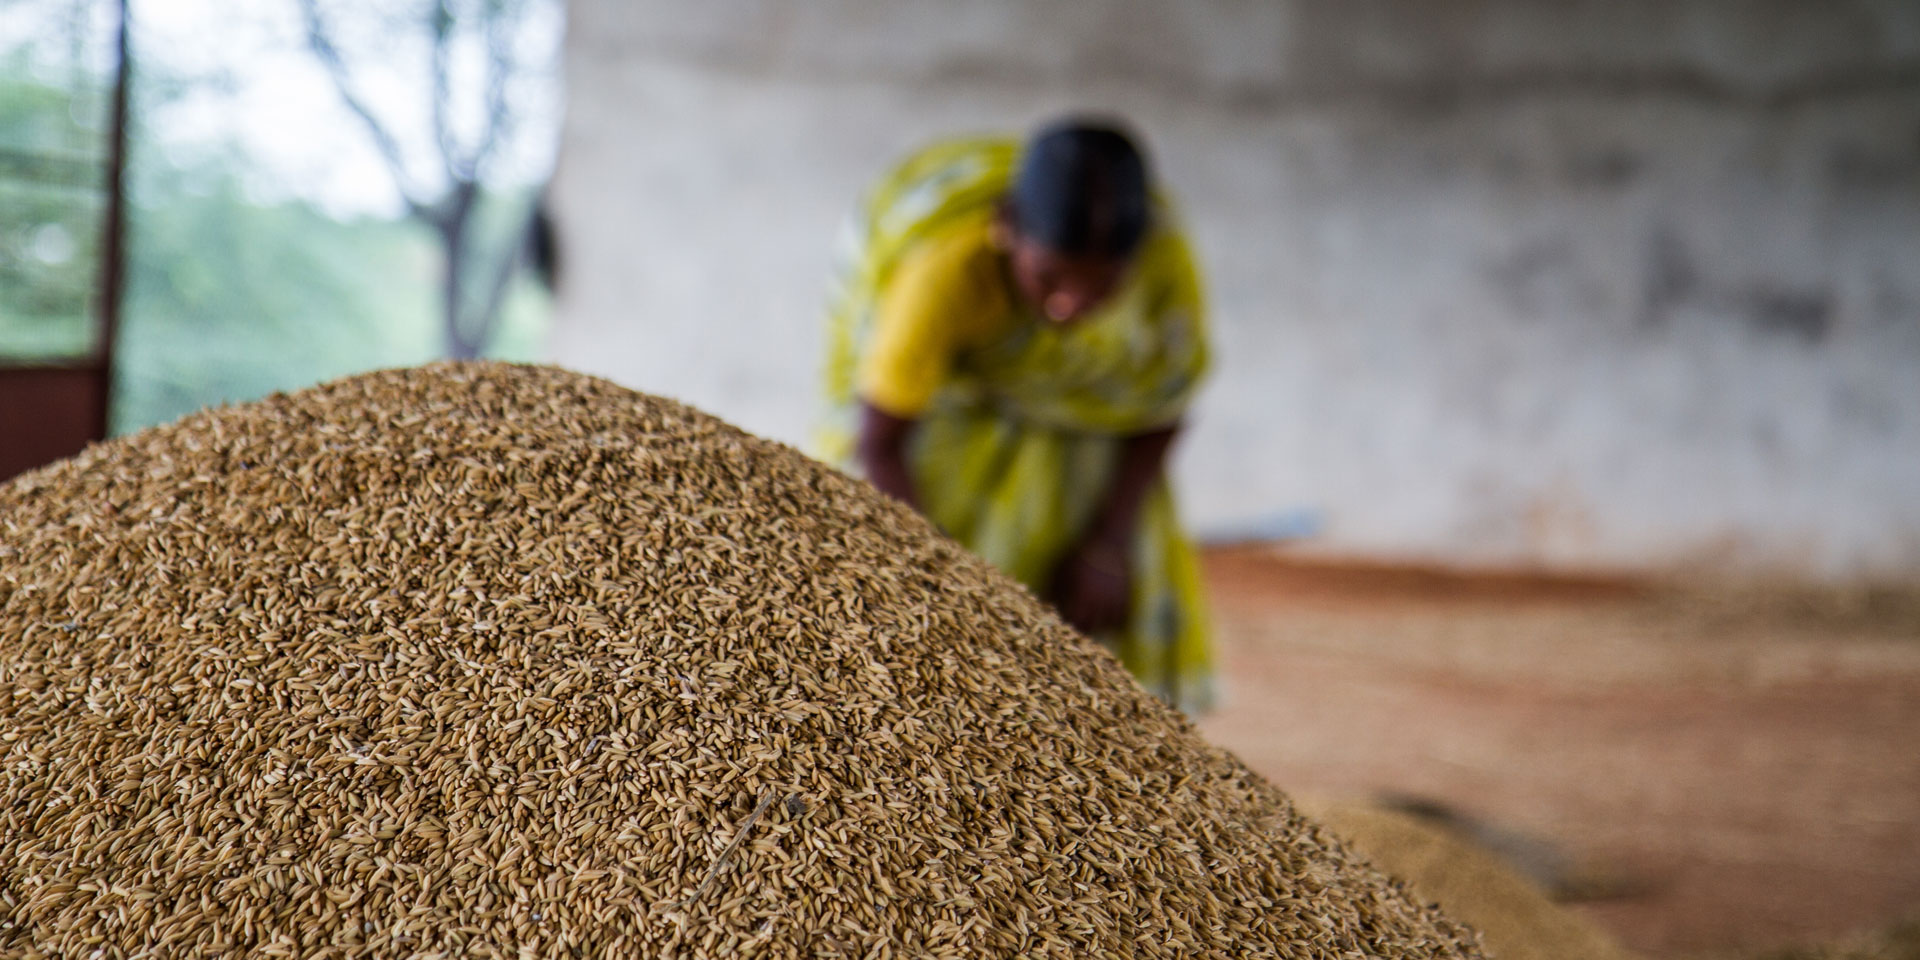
{"points": [[1021, 422]]}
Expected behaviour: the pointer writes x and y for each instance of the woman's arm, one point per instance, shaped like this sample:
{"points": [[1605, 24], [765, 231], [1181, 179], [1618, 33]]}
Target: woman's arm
{"points": [[1143, 459], [1094, 585], [882, 451]]}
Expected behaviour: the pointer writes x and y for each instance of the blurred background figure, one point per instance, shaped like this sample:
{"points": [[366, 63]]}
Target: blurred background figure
{"points": [[1015, 336]]}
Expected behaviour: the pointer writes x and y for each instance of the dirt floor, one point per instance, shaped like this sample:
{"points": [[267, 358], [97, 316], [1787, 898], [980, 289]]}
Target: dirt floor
{"points": [[1727, 771]]}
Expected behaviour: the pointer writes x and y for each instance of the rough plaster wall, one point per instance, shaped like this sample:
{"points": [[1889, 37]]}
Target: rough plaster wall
{"points": [[1621, 284]]}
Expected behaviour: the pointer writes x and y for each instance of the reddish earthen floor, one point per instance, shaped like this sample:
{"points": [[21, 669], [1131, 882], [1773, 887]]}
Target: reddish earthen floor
{"points": [[1741, 768]]}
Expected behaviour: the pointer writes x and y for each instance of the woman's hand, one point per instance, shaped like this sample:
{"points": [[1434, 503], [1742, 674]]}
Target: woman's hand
{"points": [[1093, 586]]}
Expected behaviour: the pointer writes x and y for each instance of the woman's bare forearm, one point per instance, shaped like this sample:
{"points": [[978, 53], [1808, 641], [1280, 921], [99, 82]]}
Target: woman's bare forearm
{"points": [[1143, 460], [882, 452]]}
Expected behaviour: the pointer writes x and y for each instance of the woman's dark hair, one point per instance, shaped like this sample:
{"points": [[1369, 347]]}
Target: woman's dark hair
{"points": [[1081, 190]]}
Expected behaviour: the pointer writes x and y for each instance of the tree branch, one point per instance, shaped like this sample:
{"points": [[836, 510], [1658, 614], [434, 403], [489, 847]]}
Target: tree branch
{"points": [[500, 66], [442, 21], [336, 68]]}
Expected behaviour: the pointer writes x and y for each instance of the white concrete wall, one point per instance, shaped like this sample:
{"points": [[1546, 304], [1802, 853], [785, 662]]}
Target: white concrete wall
{"points": [[1632, 283]]}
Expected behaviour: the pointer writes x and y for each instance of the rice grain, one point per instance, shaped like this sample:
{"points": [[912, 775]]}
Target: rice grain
{"points": [[494, 661]]}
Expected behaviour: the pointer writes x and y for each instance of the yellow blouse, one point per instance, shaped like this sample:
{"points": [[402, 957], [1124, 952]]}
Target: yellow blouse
{"points": [[948, 297], [949, 309]]}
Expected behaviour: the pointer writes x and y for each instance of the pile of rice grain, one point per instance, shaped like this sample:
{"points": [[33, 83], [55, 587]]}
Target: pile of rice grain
{"points": [[1515, 918], [499, 661]]}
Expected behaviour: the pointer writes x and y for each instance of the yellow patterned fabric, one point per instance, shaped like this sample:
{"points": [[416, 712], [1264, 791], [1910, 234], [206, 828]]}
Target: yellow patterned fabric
{"points": [[1021, 420]]}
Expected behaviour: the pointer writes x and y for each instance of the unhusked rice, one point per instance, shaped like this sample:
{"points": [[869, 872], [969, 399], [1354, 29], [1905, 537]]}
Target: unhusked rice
{"points": [[483, 660]]}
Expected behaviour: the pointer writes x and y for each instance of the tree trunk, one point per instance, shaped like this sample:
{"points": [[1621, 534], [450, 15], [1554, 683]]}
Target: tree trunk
{"points": [[463, 342], [505, 270]]}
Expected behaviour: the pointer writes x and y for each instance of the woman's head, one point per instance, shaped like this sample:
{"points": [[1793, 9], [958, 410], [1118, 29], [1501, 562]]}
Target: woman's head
{"points": [[1076, 216]]}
